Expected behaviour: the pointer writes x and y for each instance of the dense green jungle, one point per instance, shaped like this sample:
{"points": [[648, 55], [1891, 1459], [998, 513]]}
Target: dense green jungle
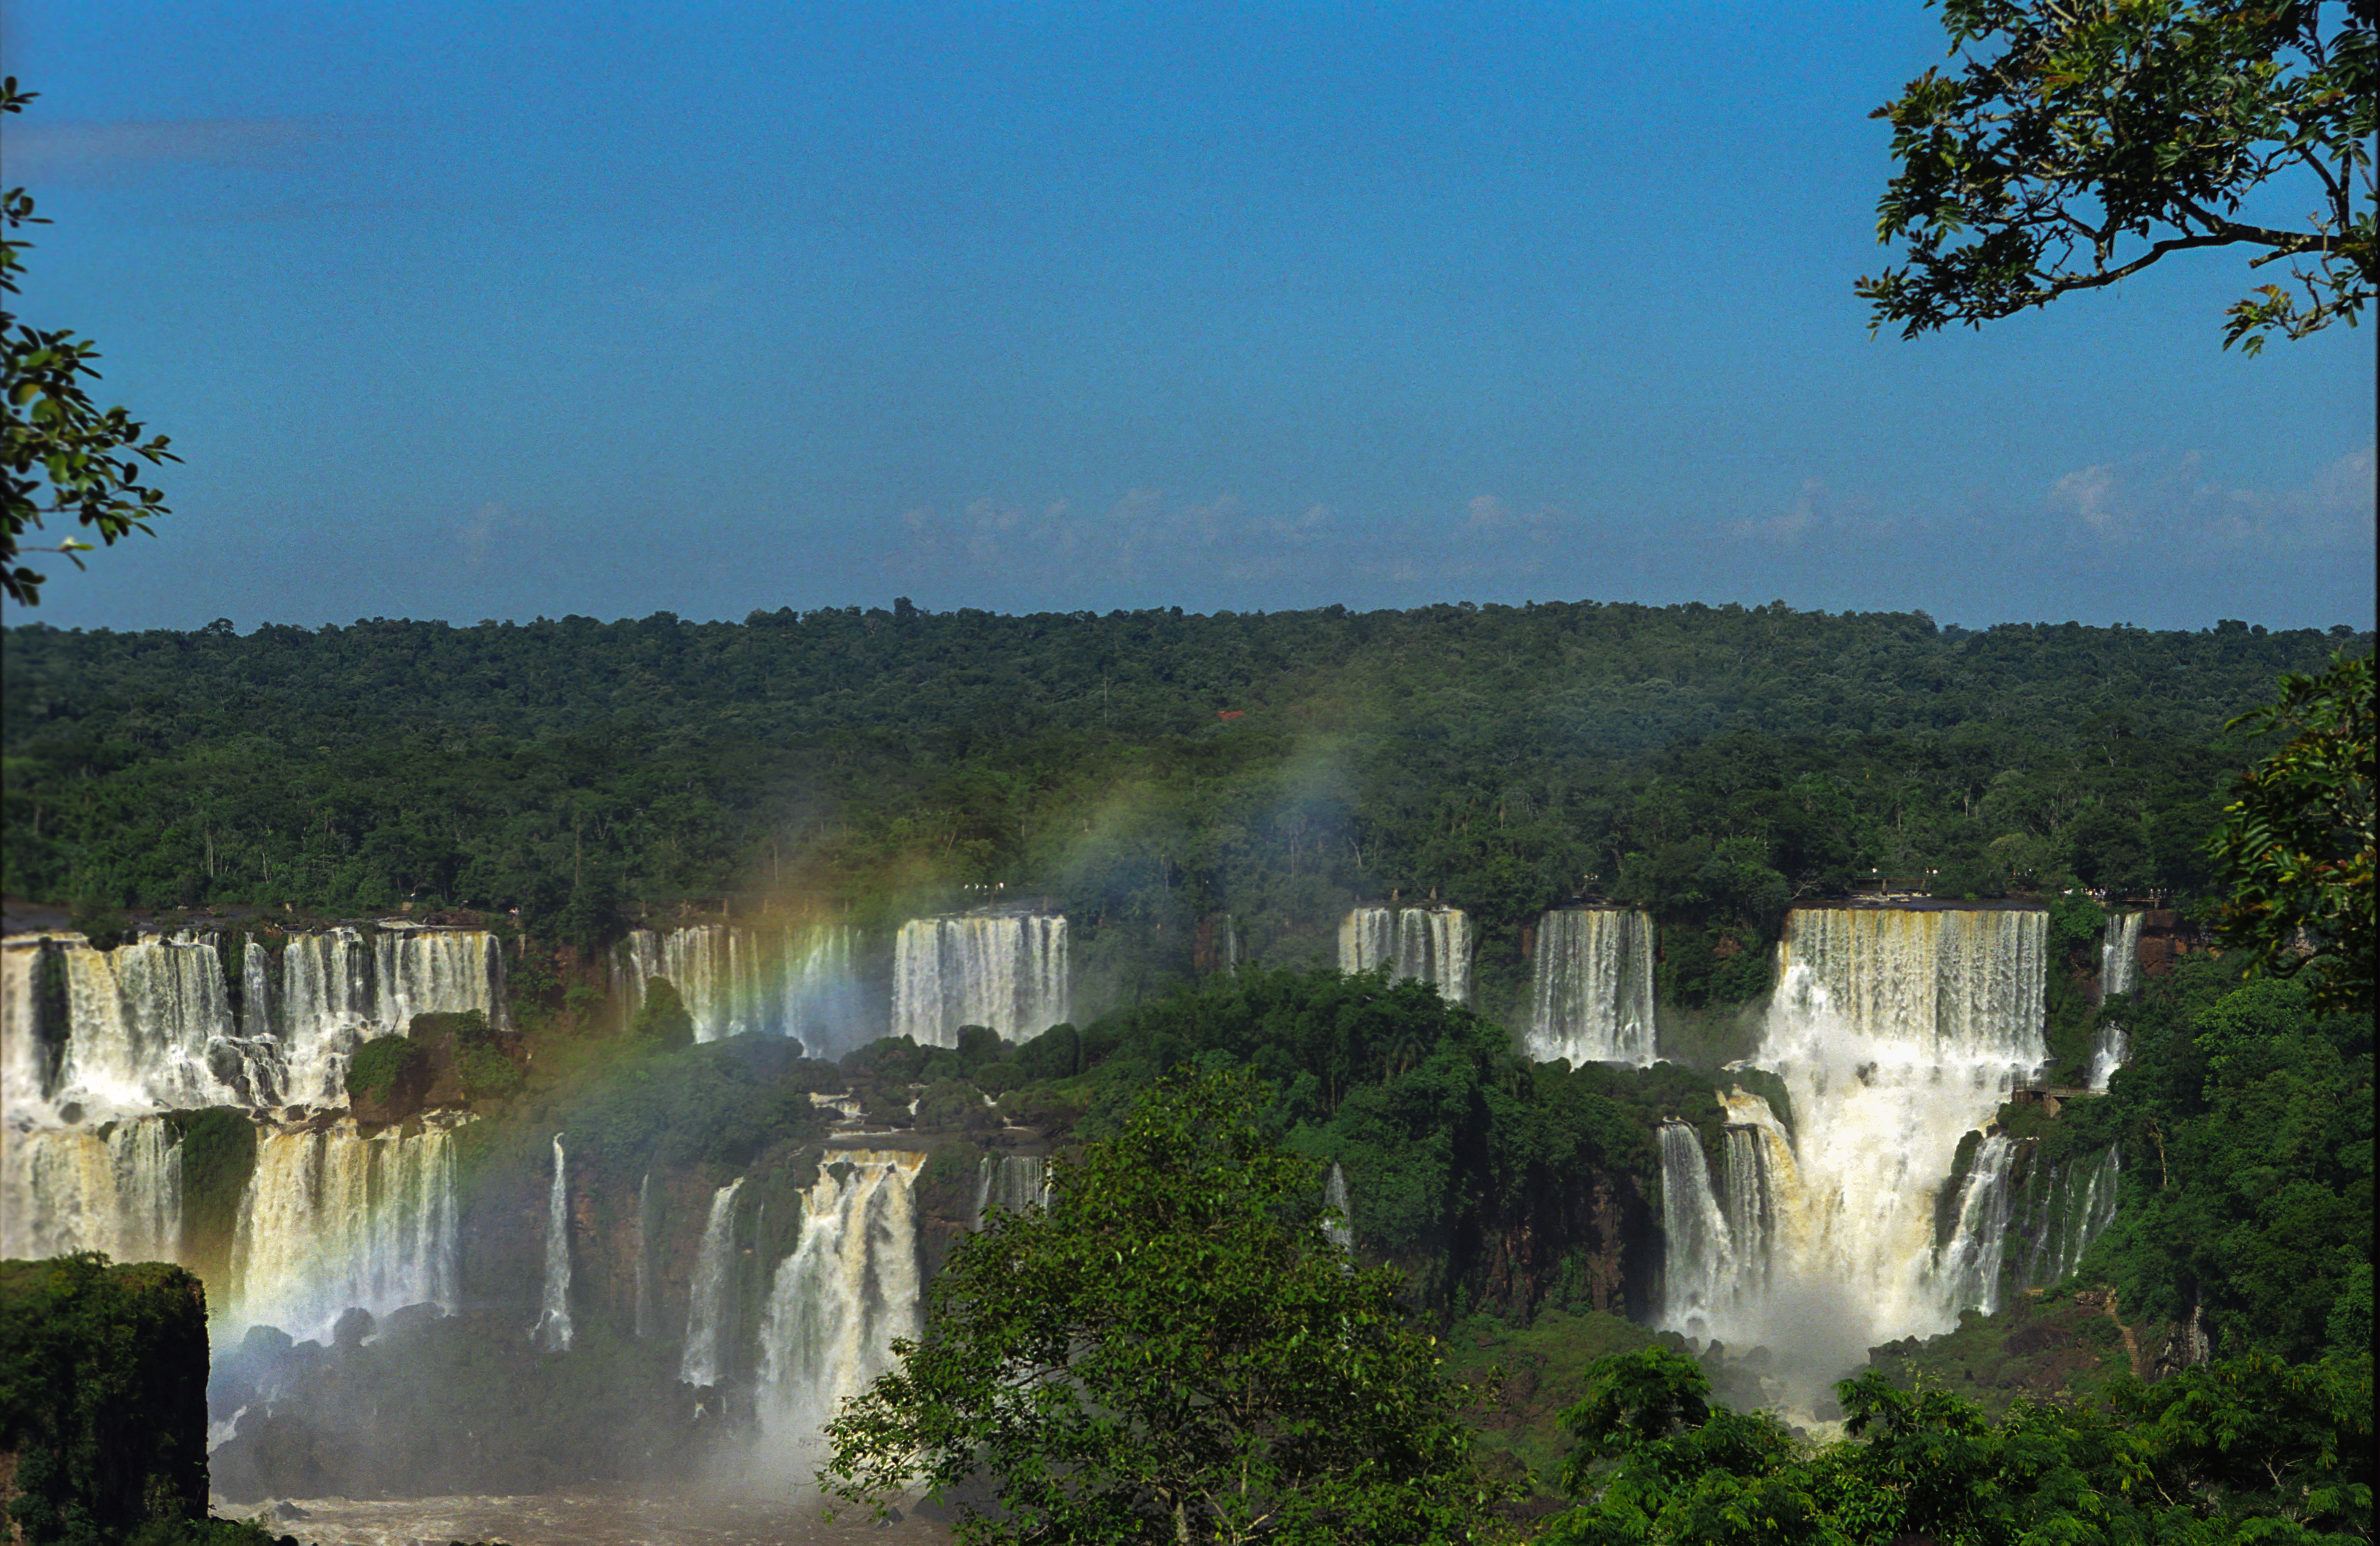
{"points": [[1144, 771], [1173, 782]]}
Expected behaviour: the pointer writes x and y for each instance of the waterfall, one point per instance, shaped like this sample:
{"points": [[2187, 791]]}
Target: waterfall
{"points": [[1698, 1261], [2061, 1213], [2111, 1048], [420, 972], [1340, 1232], [645, 1257], [552, 1328], [1591, 995], [1420, 943], [333, 1219], [801, 982], [850, 1286], [1015, 1182], [150, 1025], [2120, 963], [1967, 1274], [706, 1310], [116, 1190], [1004, 970], [30, 1043], [2120, 956], [1895, 1032]]}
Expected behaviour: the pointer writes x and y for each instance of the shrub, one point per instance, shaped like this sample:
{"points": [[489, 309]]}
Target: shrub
{"points": [[380, 1063]]}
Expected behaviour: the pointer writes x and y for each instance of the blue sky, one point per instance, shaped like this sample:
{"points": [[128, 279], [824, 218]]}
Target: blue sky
{"points": [[480, 311]]}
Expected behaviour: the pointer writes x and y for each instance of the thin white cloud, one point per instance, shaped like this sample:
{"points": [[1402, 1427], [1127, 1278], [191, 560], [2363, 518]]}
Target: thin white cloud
{"points": [[2177, 503]]}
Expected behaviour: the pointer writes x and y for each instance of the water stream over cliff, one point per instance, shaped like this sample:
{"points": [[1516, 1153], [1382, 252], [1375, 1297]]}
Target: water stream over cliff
{"points": [[1893, 1036], [1417, 944], [1007, 970], [1591, 988], [851, 1285]]}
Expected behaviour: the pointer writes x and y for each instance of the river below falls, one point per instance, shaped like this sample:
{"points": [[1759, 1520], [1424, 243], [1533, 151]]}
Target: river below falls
{"points": [[645, 1516]]}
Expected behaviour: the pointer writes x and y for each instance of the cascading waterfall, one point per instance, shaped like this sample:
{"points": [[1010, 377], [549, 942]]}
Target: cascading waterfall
{"points": [[1003, 969], [334, 1219], [1699, 1260], [1968, 1271], [706, 1312], [116, 1190], [1015, 1182], [420, 972], [1340, 1232], [2119, 964], [2062, 1210], [2119, 955], [150, 1025], [850, 1286], [801, 982], [552, 1329], [1591, 993], [1895, 1032], [1420, 943]]}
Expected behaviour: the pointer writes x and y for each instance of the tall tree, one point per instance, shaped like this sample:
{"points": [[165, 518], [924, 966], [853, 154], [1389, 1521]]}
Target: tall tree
{"points": [[2083, 140], [1171, 1352], [59, 452], [2297, 837]]}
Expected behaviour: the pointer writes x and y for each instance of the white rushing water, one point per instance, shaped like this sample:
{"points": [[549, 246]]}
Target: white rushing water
{"points": [[552, 1329], [1895, 1033], [150, 1024], [1699, 1281], [334, 1219], [800, 981], [1591, 989], [2120, 965], [706, 1310], [117, 1190], [851, 1285], [2119, 955], [1007, 970], [1418, 944]]}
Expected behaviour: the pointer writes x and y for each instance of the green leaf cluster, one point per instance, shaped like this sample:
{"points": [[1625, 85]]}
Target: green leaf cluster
{"points": [[2250, 1449], [1171, 1352]]}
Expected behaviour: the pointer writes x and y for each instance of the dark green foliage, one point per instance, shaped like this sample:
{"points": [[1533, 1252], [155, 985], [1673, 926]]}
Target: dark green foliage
{"points": [[1056, 1053], [1171, 1352], [382, 1063], [2245, 1121], [218, 1150], [1711, 760], [2297, 840], [2247, 1450], [952, 1106], [977, 1045], [714, 1104], [662, 1020], [102, 1398], [888, 1059], [1448, 1138]]}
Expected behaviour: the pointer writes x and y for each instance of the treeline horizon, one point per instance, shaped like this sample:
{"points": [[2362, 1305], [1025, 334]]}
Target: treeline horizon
{"points": [[1147, 771]]}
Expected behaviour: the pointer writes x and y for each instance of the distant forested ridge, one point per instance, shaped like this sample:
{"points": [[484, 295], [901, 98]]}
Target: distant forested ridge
{"points": [[1145, 768]]}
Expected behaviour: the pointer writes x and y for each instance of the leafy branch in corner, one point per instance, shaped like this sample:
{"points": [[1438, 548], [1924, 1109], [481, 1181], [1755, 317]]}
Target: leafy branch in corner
{"points": [[62, 454], [2085, 140]]}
